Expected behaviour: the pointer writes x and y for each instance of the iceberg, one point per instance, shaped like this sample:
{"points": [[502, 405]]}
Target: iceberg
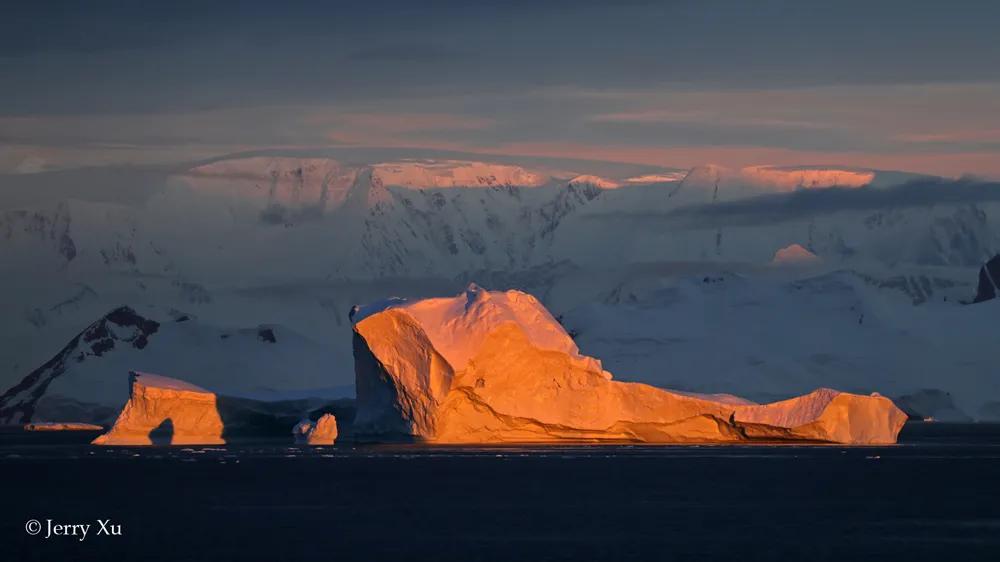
{"points": [[162, 410], [496, 367], [321, 432], [301, 432], [62, 426]]}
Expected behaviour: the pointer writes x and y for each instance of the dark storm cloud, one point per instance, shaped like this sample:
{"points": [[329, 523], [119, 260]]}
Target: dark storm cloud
{"points": [[806, 203]]}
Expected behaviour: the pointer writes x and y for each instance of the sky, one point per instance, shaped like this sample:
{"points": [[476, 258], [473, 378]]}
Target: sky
{"points": [[905, 85]]}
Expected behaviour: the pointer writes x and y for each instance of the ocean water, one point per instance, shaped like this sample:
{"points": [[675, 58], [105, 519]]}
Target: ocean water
{"points": [[935, 496]]}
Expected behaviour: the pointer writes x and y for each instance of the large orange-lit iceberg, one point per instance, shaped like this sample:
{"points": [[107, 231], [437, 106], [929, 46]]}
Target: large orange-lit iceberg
{"points": [[162, 410], [494, 367]]}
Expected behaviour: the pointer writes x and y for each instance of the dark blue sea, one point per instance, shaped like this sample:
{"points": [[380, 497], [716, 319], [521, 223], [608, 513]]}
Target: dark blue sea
{"points": [[935, 496]]}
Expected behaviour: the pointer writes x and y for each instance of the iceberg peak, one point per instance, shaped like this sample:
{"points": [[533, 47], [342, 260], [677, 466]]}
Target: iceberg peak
{"points": [[475, 294]]}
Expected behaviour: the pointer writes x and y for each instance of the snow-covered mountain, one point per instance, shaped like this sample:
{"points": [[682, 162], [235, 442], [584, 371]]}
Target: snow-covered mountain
{"points": [[295, 242], [313, 217], [86, 377], [794, 254], [767, 336], [989, 280]]}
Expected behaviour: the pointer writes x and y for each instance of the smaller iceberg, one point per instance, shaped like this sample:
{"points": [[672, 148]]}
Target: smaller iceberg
{"points": [[321, 432], [165, 411]]}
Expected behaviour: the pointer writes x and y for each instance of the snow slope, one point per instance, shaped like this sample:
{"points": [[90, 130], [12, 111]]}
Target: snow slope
{"points": [[767, 337]]}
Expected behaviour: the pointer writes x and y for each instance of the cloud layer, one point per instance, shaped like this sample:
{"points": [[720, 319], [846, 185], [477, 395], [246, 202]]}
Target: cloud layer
{"points": [[805, 204], [897, 84]]}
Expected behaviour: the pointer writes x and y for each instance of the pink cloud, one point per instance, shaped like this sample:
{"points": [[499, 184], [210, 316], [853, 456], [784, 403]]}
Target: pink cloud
{"points": [[984, 135], [702, 116], [945, 164]]}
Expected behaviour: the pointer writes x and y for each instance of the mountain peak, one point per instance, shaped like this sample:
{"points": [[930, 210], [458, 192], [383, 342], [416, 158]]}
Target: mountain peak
{"points": [[596, 181], [787, 178], [418, 174], [794, 254]]}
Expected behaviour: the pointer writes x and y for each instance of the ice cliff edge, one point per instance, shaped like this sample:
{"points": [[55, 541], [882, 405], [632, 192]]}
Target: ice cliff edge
{"points": [[490, 367]]}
